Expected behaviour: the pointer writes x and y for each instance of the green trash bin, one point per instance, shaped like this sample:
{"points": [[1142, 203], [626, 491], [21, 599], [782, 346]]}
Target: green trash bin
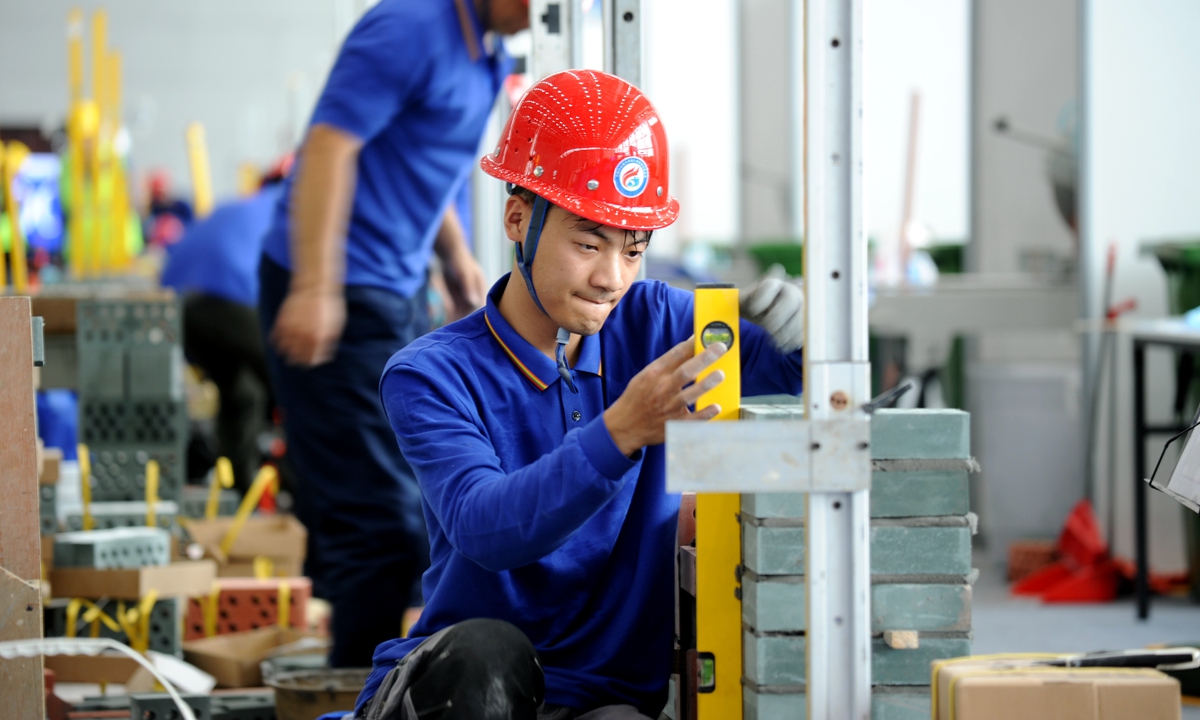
{"points": [[1180, 260]]}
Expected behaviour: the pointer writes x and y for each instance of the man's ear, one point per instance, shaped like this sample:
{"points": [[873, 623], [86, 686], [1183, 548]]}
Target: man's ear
{"points": [[516, 217]]}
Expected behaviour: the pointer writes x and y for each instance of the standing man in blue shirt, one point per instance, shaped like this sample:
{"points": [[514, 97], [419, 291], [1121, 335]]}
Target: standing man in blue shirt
{"points": [[535, 427], [343, 273]]}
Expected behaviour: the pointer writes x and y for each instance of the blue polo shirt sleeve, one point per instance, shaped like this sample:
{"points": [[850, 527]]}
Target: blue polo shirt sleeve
{"points": [[376, 72], [500, 518]]}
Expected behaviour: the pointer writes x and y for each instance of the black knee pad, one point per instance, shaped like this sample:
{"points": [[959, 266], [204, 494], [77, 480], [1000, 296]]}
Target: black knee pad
{"points": [[481, 669]]}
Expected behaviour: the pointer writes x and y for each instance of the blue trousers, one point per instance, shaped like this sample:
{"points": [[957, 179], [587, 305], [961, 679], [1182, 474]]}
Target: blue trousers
{"points": [[355, 493]]}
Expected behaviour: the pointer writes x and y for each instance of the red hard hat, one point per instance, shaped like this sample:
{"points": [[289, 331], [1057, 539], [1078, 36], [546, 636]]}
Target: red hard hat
{"points": [[592, 144]]}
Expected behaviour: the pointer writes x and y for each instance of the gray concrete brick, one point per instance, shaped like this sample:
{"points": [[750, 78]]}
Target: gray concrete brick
{"points": [[160, 705], [895, 550], [777, 604], [780, 659], [919, 494], [791, 706], [893, 494], [116, 548], [925, 434]]}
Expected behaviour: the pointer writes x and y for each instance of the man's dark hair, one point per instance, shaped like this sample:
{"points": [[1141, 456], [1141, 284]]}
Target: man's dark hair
{"points": [[637, 237]]}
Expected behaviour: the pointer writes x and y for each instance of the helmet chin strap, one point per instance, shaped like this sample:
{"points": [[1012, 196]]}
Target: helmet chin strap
{"points": [[525, 254]]}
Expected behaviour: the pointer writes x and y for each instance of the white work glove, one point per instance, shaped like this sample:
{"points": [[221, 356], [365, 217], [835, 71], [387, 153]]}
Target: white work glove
{"points": [[777, 306]]}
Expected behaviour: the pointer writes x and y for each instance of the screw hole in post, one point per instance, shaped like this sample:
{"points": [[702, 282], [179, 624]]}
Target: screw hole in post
{"points": [[835, 275], [835, 42], [837, 504], [628, 17], [816, 446]]}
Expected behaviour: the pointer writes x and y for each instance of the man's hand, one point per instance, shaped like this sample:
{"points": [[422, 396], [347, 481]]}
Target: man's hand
{"points": [[308, 326], [657, 394], [777, 306], [466, 283]]}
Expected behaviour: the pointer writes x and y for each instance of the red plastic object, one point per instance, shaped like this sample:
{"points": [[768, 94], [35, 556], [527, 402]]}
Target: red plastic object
{"points": [[1084, 572], [249, 604], [1081, 540]]}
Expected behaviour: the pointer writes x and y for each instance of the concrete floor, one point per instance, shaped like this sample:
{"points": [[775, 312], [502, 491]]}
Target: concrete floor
{"points": [[1003, 623]]}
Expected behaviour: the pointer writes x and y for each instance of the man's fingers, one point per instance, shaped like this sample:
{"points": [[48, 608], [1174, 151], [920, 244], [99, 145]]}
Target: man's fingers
{"points": [[691, 369], [710, 381], [675, 357], [706, 413]]}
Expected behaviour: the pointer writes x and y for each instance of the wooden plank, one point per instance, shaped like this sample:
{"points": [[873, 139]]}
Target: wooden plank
{"points": [[19, 529], [20, 539], [20, 619]]}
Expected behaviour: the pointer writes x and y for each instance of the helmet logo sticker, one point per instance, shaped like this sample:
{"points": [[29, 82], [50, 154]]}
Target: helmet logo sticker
{"points": [[631, 176]]}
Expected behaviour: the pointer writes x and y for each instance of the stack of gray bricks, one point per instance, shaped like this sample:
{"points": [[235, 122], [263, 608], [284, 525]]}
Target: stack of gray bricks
{"points": [[193, 501], [920, 568], [131, 401], [166, 623], [118, 548], [109, 515]]}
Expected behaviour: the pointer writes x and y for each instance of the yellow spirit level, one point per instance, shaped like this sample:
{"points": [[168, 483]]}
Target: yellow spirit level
{"points": [[718, 675]]}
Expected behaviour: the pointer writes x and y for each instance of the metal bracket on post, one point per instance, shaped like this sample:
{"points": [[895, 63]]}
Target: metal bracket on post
{"points": [[556, 33], [623, 39]]}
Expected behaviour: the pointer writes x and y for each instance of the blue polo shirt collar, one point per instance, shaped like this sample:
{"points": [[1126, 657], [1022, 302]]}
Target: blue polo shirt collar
{"points": [[530, 362]]}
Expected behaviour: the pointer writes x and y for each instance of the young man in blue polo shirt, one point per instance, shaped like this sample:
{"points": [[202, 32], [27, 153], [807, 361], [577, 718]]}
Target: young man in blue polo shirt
{"points": [[343, 277], [535, 428]]}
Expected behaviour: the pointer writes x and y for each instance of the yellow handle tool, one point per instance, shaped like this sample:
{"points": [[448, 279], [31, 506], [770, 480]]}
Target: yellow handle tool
{"points": [[85, 486], [197, 148], [223, 479], [14, 155], [718, 535], [283, 604], [267, 477], [151, 493]]}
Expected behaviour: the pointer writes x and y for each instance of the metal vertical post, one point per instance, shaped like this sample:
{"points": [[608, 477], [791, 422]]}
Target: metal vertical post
{"points": [[623, 39], [837, 373], [556, 35]]}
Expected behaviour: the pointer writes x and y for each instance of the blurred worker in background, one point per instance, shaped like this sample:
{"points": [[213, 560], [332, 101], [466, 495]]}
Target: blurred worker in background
{"points": [[166, 216], [536, 429], [344, 271], [214, 267]]}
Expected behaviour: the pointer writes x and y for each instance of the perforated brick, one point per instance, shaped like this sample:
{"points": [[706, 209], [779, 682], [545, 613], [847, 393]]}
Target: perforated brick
{"points": [[108, 549], [160, 706], [109, 515], [248, 604]]}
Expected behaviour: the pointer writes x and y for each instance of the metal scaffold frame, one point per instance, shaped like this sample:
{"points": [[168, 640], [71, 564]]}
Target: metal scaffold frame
{"points": [[837, 371]]}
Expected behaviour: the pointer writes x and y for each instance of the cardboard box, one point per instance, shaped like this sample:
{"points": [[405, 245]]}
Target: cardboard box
{"points": [[51, 466], [284, 567], [234, 659], [91, 669], [1004, 688], [280, 537], [179, 578]]}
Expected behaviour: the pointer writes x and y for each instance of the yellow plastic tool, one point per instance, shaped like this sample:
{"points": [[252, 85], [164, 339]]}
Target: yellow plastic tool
{"points": [[75, 142], [283, 604], [14, 155], [151, 493], [718, 535], [85, 486], [267, 477], [197, 148], [224, 479]]}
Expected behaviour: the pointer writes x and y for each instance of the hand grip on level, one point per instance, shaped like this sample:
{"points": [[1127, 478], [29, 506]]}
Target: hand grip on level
{"points": [[267, 477], [223, 479]]}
